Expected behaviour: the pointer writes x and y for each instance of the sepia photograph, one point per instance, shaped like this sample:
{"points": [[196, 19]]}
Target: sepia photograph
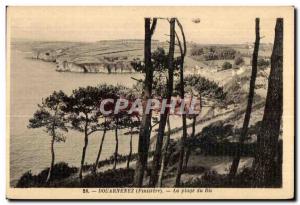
{"points": [[150, 102]]}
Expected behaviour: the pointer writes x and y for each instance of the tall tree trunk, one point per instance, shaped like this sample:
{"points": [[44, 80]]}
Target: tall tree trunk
{"points": [[188, 151], [267, 157], [86, 141], [164, 116], [236, 160], [117, 145], [164, 154], [184, 128], [99, 151], [52, 159], [157, 152], [144, 135], [130, 149]]}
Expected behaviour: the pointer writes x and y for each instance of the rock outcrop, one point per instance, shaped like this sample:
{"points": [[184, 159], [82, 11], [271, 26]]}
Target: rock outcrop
{"points": [[103, 65], [111, 67]]}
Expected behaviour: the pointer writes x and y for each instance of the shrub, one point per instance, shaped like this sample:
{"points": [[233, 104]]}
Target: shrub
{"points": [[197, 50], [213, 179], [239, 60], [194, 170], [263, 63], [214, 140], [110, 178], [206, 87], [228, 149], [213, 52], [172, 154], [137, 65], [226, 65], [209, 179], [61, 170], [27, 180], [217, 131]]}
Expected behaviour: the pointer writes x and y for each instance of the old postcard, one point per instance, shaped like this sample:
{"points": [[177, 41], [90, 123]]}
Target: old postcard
{"points": [[150, 103]]}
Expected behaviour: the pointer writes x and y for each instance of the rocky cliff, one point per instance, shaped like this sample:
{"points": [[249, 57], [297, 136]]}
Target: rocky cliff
{"points": [[105, 67], [102, 65]]}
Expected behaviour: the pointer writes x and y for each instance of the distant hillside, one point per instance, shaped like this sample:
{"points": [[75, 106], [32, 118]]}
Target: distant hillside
{"points": [[117, 56], [109, 56]]}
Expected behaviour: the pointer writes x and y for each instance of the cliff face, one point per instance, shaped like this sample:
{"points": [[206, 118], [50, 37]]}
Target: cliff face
{"points": [[65, 66], [99, 66], [119, 67]]}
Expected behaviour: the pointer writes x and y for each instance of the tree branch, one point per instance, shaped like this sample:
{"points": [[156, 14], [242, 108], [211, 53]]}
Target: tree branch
{"points": [[96, 130], [139, 80], [183, 36], [179, 44], [153, 26]]}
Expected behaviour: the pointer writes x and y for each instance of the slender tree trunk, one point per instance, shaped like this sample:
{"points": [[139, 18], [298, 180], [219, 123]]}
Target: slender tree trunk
{"points": [[130, 150], [99, 151], [236, 160], [188, 151], [184, 127], [164, 154], [157, 151], [144, 135], [268, 154], [163, 117], [86, 141], [52, 159], [117, 145]]}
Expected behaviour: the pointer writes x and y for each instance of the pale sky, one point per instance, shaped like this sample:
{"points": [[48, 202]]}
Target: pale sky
{"points": [[217, 25]]}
